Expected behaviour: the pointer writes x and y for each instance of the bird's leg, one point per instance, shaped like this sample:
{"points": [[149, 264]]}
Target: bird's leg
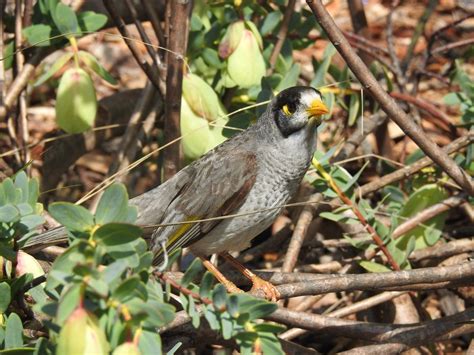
{"points": [[229, 285], [258, 285]]}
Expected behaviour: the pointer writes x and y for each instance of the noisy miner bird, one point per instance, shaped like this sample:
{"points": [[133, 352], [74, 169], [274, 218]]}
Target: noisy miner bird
{"points": [[222, 201]]}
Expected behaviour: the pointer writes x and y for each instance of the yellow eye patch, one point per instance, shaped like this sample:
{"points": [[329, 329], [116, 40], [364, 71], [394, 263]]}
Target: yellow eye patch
{"points": [[286, 110]]}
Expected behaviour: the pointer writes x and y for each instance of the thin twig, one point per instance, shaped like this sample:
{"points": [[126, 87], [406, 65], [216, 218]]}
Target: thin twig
{"points": [[449, 46], [413, 168], [419, 29], [121, 26], [344, 198], [299, 234], [348, 310], [281, 36], [386, 102]]}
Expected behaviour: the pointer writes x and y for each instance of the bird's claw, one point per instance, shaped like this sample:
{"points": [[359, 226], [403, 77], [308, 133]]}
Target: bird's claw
{"points": [[264, 289]]}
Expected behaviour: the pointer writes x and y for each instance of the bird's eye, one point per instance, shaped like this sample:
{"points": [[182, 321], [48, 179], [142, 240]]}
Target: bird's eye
{"points": [[288, 110]]}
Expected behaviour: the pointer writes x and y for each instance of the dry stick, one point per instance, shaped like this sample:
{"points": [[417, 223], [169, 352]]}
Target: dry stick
{"points": [[394, 280], [281, 36], [121, 26], [365, 42], [344, 198], [357, 137], [400, 79], [178, 29], [299, 234], [413, 168], [348, 310], [372, 53], [129, 142], [413, 334], [21, 121], [424, 105], [444, 250], [155, 21], [419, 29], [428, 213], [20, 81], [447, 47], [386, 102]]}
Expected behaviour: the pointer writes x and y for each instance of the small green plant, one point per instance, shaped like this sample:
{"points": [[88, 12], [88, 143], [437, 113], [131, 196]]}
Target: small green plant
{"points": [[102, 294]]}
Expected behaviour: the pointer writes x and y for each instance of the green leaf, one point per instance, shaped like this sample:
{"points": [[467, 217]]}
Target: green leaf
{"points": [[226, 325], [38, 35], [290, 78], [354, 109], [219, 296], [373, 267], [73, 217], [92, 63], [90, 21], [126, 290], [8, 214], [233, 305], [269, 328], [113, 234], [8, 54], [66, 20], [18, 351], [428, 232], [261, 310], [149, 342], [113, 271], [322, 68], [76, 102], [270, 23], [13, 332], [193, 270], [57, 65], [113, 205], [5, 297], [270, 344], [21, 182], [206, 285], [68, 302], [212, 317]]}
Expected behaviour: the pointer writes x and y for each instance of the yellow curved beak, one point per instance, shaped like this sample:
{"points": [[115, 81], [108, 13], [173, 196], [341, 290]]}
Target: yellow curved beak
{"points": [[317, 108]]}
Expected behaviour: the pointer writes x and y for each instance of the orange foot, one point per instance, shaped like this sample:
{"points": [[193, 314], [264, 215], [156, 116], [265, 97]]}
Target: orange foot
{"points": [[264, 289]]}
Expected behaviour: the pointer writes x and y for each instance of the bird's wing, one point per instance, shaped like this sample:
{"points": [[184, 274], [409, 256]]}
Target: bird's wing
{"points": [[217, 187]]}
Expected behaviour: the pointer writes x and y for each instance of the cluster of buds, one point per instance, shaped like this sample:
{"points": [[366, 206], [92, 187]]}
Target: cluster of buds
{"points": [[242, 48], [202, 117]]}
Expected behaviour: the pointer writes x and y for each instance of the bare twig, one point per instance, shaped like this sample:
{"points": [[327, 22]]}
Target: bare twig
{"points": [[2, 62], [20, 82], [344, 198], [444, 250], [410, 335], [428, 213], [348, 310], [299, 234], [178, 31], [121, 26], [413, 168], [449, 46], [281, 36], [419, 29], [386, 102]]}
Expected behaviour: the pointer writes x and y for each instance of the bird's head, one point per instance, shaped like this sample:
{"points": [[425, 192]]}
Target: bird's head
{"points": [[297, 108]]}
